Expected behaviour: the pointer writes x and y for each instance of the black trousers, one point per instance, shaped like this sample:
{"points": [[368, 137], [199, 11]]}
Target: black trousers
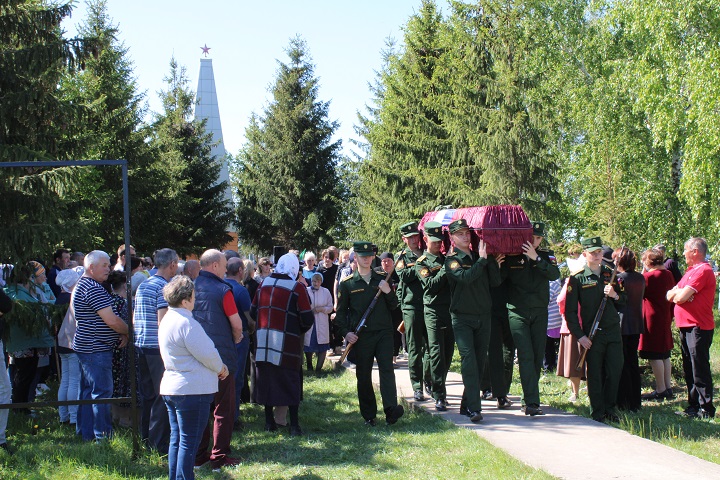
{"points": [[628, 397], [23, 374], [695, 345], [155, 422]]}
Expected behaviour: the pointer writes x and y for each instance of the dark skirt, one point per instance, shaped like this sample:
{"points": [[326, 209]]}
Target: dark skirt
{"points": [[568, 357], [314, 346], [277, 386], [646, 355]]}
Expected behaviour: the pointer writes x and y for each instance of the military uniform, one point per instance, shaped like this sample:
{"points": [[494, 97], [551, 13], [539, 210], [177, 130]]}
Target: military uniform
{"points": [[605, 357], [410, 295], [501, 352], [528, 298], [470, 278], [375, 340], [436, 300]]}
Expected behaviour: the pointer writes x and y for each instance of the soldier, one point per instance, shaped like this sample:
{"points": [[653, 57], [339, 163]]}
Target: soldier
{"points": [[585, 290], [470, 276], [528, 297], [430, 268], [375, 341], [501, 352], [410, 295]]}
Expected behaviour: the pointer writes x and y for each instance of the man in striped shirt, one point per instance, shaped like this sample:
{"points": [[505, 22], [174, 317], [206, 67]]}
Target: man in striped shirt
{"points": [[99, 329]]}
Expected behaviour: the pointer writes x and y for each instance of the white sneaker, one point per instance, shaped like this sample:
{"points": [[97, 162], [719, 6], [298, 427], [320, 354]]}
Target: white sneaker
{"points": [[573, 398]]}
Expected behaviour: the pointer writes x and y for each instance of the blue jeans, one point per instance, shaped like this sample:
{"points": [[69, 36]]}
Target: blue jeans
{"points": [[243, 348], [5, 394], [95, 421], [69, 386], [188, 419]]}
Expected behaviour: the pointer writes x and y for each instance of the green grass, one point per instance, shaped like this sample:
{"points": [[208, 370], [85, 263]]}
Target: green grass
{"points": [[336, 445], [655, 421]]}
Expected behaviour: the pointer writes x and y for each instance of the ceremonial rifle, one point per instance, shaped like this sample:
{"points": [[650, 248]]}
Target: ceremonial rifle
{"points": [[599, 314], [364, 318]]}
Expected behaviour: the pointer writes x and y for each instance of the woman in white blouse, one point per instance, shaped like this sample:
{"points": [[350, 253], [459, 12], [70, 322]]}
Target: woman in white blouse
{"points": [[192, 368]]}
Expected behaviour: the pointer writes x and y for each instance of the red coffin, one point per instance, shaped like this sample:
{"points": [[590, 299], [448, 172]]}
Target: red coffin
{"points": [[504, 228]]}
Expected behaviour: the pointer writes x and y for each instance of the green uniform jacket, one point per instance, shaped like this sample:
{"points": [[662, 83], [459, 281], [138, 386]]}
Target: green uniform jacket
{"points": [[528, 286], [470, 280], [431, 272], [586, 288], [354, 297], [410, 290]]}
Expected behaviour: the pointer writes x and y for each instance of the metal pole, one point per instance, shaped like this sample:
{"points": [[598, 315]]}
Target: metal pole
{"points": [[131, 336]]}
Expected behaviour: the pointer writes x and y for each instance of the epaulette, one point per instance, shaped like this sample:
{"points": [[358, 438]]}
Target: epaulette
{"points": [[578, 271], [379, 271], [423, 257], [451, 253], [346, 278], [401, 252]]}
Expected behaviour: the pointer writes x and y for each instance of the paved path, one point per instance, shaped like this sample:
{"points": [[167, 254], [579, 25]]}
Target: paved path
{"points": [[547, 441]]}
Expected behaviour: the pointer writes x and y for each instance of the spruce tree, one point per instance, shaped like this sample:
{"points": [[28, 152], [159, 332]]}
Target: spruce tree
{"points": [[409, 166], [285, 175], [198, 218], [33, 116]]}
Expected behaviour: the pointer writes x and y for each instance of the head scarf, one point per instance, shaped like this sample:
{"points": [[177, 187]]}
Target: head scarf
{"points": [[36, 268], [288, 265], [66, 279]]}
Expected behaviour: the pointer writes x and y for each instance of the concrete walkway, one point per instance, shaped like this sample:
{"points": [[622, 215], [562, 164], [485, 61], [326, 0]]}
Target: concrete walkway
{"points": [[560, 443]]}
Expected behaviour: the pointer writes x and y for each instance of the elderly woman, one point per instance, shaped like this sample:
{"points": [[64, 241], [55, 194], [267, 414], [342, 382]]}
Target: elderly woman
{"points": [[28, 341], [656, 341], [317, 340], [283, 312], [192, 368], [310, 266], [69, 388]]}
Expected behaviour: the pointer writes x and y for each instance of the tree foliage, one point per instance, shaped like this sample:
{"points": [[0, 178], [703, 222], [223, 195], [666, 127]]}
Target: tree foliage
{"points": [[197, 218], [285, 176]]}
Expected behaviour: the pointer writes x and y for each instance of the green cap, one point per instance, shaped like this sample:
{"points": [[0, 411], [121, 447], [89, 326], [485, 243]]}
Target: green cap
{"points": [[538, 229], [591, 244], [433, 230], [458, 224], [363, 249], [409, 229]]}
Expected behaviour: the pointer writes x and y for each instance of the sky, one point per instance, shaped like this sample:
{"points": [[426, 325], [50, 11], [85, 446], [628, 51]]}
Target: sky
{"points": [[344, 38]]}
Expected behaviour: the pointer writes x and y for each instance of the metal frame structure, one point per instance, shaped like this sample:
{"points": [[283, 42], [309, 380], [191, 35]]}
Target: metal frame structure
{"points": [[131, 345]]}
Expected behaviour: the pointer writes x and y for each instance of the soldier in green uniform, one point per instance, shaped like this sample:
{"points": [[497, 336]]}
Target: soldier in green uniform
{"points": [[586, 289], [528, 297], [430, 268], [501, 352], [410, 295], [375, 340], [470, 276]]}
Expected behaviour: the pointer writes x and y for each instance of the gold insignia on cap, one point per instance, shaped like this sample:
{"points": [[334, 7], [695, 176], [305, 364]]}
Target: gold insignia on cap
{"points": [[424, 272], [365, 246], [537, 225], [594, 240], [455, 264]]}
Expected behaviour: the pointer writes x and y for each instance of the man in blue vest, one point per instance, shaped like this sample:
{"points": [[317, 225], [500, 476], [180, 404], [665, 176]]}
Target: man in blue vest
{"points": [[216, 311]]}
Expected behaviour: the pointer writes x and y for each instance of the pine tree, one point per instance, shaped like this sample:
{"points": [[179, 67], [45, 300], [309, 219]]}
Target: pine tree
{"points": [[198, 218], [285, 175], [33, 116]]}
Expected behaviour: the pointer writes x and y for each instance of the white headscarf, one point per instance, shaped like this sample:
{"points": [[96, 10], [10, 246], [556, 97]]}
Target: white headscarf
{"points": [[288, 265]]}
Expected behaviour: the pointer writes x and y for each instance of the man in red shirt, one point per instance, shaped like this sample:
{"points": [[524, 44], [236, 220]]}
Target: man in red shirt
{"points": [[694, 297]]}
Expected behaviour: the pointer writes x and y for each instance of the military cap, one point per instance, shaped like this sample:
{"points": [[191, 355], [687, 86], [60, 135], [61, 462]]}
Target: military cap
{"points": [[433, 230], [409, 229], [363, 249], [538, 228], [458, 224], [591, 244]]}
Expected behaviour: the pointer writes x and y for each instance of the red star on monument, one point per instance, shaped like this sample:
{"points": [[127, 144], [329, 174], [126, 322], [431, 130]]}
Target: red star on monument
{"points": [[205, 50]]}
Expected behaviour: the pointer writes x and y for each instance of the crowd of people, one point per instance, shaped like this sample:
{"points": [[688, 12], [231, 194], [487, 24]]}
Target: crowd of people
{"points": [[214, 332]]}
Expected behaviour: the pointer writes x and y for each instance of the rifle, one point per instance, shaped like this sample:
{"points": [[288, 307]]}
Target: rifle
{"points": [[598, 315], [364, 318]]}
